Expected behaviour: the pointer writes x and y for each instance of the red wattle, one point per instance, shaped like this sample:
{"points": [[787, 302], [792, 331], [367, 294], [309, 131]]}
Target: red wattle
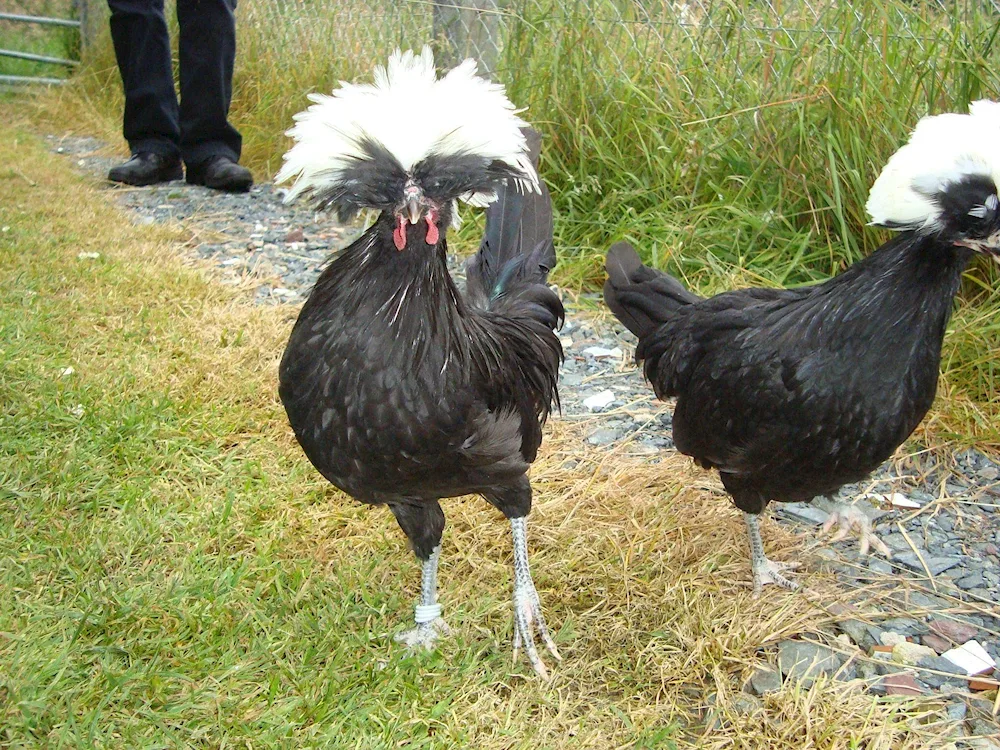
{"points": [[432, 231], [399, 234]]}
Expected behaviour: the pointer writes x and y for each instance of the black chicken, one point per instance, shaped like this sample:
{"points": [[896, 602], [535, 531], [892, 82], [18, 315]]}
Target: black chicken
{"points": [[792, 393], [401, 390]]}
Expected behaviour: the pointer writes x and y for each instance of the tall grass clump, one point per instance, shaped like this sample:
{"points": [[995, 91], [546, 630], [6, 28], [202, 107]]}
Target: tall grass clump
{"points": [[738, 134], [716, 135]]}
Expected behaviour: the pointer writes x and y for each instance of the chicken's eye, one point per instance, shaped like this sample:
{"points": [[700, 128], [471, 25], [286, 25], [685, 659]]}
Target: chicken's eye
{"points": [[987, 209]]}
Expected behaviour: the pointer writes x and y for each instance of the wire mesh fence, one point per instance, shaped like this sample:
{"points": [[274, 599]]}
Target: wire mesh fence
{"points": [[664, 44]]}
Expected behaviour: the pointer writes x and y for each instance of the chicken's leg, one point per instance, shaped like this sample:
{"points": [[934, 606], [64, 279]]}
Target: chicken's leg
{"points": [[428, 612], [765, 571], [849, 517], [527, 609]]}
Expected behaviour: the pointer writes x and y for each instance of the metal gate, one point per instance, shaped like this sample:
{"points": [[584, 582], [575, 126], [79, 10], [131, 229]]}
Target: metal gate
{"points": [[79, 23]]}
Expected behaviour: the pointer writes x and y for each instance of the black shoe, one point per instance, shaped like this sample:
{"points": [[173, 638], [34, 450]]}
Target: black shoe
{"points": [[146, 168], [220, 173]]}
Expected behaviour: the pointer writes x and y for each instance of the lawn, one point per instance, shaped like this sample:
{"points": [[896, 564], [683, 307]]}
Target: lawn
{"points": [[174, 574]]}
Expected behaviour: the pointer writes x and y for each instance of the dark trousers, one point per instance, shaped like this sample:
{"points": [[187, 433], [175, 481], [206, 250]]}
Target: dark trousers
{"points": [[198, 128]]}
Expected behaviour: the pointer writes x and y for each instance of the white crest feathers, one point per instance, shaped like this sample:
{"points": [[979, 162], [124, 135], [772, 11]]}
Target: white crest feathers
{"points": [[941, 151], [412, 113]]}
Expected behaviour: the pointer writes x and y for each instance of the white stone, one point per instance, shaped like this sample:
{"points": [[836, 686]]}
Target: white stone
{"points": [[845, 642], [911, 653], [88, 256], [67, 372], [599, 352], [890, 638], [971, 657], [899, 500], [599, 401]]}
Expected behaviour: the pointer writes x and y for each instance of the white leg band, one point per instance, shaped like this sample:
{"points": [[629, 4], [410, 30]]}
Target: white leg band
{"points": [[427, 613]]}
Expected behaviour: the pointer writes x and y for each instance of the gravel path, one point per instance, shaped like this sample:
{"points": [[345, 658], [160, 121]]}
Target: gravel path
{"points": [[939, 590]]}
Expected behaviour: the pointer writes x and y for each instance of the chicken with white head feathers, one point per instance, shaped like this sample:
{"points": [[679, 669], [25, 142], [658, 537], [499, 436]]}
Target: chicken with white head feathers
{"points": [[792, 393], [400, 389]]}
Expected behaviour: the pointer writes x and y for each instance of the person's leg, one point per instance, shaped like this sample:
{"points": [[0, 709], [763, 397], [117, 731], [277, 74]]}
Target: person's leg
{"points": [[207, 51], [142, 48]]}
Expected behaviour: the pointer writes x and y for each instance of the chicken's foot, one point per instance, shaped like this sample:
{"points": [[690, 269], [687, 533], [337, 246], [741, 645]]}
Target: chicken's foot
{"points": [[527, 608], [850, 517], [765, 571]]}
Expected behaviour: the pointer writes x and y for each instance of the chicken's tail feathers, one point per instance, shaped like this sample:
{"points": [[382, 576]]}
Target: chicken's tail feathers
{"points": [[517, 252], [642, 298]]}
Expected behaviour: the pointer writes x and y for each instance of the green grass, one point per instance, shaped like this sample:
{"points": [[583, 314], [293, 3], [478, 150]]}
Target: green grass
{"points": [[152, 598], [174, 573]]}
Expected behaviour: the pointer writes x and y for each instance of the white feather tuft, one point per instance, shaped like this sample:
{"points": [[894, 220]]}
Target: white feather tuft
{"points": [[412, 113], [941, 151], [986, 110]]}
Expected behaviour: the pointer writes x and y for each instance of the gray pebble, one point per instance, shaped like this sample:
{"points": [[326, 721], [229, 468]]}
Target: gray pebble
{"points": [[803, 513], [603, 436], [570, 379], [765, 679], [803, 661], [896, 542], [939, 664], [927, 601], [975, 580], [858, 632], [957, 711], [934, 564], [880, 566], [903, 625]]}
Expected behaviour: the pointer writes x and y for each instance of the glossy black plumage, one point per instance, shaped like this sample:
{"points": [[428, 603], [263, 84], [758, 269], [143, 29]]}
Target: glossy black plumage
{"points": [[791, 393], [403, 391]]}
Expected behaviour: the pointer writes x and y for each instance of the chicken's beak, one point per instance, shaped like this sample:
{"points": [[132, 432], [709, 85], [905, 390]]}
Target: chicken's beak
{"points": [[413, 208], [989, 245]]}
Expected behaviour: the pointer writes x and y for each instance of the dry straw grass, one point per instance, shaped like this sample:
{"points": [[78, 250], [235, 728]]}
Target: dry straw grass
{"points": [[641, 566]]}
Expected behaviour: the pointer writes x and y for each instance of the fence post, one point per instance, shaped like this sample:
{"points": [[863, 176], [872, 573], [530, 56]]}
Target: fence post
{"points": [[468, 28], [88, 16]]}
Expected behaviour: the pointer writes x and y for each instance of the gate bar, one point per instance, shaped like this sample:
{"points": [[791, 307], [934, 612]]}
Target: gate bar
{"points": [[28, 80], [39, 19], [37, 58]]}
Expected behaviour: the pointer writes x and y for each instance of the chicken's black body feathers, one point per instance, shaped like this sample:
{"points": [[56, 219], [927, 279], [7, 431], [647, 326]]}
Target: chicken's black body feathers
{"points": [[791, 393], [402, 391]]}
